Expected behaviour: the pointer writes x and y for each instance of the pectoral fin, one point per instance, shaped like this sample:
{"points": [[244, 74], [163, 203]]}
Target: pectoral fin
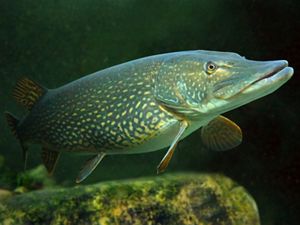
{"points": [[89, 166], [221, 134], [165, 161], [50, 159]]}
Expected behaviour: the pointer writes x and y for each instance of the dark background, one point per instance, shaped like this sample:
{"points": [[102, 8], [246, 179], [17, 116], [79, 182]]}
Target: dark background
{"points": [[55, 42]]}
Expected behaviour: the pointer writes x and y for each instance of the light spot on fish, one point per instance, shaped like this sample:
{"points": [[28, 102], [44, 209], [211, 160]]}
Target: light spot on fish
{"points": [[148, 115], [138, 104]]}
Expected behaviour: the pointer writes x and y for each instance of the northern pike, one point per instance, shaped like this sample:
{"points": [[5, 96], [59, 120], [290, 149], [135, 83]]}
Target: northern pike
{"points": [[144, 105]]}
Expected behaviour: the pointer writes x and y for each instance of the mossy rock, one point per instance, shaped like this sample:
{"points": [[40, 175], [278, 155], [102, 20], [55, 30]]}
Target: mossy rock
{"points": [[5, 194], [168, 199], [34, 179]]}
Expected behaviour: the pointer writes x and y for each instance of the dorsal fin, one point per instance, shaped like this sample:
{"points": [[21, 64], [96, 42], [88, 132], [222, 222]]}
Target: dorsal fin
{"points": [[28, 92]]}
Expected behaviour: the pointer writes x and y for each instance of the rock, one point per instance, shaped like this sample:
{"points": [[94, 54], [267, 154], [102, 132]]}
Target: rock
{"points": [[4, 194], [168, 199], [20, 190], [34, 179], [20, 182]]}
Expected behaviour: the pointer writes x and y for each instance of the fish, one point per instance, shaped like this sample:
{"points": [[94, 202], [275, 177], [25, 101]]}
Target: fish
{"points": [[143, 105]]}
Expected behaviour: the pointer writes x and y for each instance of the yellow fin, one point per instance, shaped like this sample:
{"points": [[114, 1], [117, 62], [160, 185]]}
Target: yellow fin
{"points": [[167, 158], [221, 134], [50, 159], [89, 166], [28, 92]]}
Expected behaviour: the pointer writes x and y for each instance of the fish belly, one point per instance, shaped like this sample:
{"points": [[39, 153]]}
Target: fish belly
{"points": [[163, 138], [160, 140]]}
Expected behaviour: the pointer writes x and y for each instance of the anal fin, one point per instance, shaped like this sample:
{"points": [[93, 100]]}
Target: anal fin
{"points": [[50, 159], [167, 158], [89, 166]]}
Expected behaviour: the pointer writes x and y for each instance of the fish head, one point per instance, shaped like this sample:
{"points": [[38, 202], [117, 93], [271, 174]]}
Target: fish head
{"points": [[199, 83]]}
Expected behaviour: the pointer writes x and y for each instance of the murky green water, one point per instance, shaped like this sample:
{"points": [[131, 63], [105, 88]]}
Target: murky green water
{"points": [[55, 42]]}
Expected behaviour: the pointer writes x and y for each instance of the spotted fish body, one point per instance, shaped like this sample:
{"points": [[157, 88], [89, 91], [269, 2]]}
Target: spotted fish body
{"points": [[109, 111], [143, 105]]}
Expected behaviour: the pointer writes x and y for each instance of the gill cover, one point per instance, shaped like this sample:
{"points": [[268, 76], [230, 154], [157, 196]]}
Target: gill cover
{"points": [[179, 84]]}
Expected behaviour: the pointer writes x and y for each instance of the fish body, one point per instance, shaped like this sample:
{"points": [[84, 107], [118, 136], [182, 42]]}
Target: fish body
{"points": [[113, 111], [110, 111], [144, 105]]}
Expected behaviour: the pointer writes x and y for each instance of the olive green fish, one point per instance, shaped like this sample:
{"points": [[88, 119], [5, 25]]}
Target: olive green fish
{"points": [[144, 105]]}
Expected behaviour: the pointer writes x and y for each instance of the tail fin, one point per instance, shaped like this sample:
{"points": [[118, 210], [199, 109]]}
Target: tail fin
{"points": [[28, 92], [13, 123]]}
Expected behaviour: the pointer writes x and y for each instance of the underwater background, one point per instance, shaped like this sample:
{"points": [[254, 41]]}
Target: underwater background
{"points": [[55, 42]]}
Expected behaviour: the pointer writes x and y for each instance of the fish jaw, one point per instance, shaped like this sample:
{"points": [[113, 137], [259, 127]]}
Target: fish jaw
{"points": [[270, 83]]}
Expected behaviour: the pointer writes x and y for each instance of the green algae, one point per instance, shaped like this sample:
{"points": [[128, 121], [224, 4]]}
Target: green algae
{"points": [[35, 178], [12, 182], [169, 199]]}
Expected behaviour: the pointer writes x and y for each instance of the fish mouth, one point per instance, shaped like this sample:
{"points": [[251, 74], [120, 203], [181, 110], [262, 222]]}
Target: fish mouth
{"points": [[272, 72], [272, 79]]}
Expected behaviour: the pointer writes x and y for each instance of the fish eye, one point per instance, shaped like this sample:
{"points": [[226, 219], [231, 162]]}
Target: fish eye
{"points": [[210, 67]]}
